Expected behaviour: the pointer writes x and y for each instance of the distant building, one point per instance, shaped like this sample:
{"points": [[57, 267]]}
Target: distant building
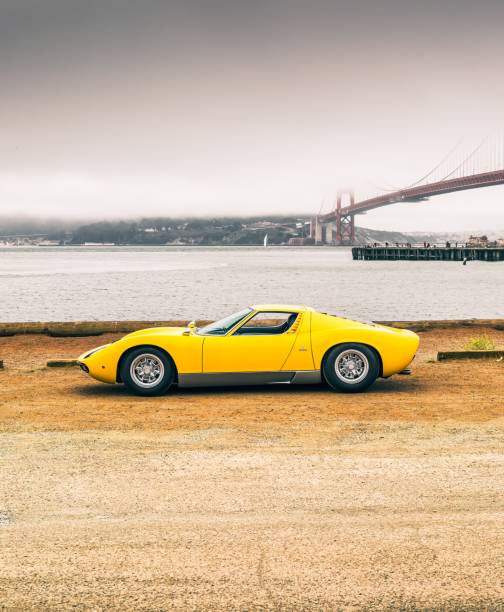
{"points": [[261, 225], [49, 243], [477, 241], [300, 241], [99, 244]]}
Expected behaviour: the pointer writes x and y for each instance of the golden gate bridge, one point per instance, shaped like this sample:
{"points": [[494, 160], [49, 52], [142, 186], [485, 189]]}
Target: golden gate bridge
{"points": [[482, 167]]}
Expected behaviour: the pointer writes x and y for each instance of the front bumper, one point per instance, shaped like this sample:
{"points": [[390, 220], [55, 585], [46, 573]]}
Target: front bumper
{"points": [[99, 363]]}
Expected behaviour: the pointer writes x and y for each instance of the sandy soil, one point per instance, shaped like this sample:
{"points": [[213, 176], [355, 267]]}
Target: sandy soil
{"points": [[265, 498]]}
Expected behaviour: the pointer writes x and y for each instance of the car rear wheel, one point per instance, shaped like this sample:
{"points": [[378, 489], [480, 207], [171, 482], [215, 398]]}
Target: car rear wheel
{"points": [[147, 371], [351, 367]]}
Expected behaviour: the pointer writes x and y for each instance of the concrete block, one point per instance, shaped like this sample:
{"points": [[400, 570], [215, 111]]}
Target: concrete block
{"points": [[446, 355], [61, 363]]}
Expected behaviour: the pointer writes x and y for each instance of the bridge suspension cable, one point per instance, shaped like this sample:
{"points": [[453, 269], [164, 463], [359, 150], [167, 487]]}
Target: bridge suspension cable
{"points": [[423, 179], [486, 157], [490, 158], [462, 165], [437, 166]]}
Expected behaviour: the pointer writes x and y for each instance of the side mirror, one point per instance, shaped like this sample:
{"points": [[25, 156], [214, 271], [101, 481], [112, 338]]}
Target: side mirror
{"points": [[191, 327]]}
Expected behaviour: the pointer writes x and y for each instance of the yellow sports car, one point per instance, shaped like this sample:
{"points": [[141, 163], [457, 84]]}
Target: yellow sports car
{"points": [[258, 345]]}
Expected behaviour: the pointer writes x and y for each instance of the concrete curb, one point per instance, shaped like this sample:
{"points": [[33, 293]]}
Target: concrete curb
{"points": [[427, 325], [449, 355], [97, 328], [83, 328], [61, 363]]}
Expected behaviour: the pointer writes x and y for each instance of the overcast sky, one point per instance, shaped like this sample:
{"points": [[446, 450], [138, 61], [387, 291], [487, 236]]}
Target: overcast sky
{"points": [[207, 107]]}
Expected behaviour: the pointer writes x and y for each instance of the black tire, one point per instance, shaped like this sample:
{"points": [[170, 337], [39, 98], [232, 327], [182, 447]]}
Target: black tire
{"points": [[147, 370], [351, 367]]}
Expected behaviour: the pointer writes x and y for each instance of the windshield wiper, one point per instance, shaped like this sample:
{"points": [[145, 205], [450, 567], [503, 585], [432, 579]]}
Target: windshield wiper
{"points": [[218, 330]]}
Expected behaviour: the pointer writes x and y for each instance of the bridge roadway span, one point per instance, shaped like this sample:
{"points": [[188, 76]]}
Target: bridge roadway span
{"points": [[421, 192]]}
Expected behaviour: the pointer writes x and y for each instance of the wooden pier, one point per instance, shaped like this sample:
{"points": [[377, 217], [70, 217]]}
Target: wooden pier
{"points": [[431, 253]]}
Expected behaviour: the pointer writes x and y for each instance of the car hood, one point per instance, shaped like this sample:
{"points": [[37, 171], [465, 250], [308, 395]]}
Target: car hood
{"points": [[163, 331], [158, 331]]}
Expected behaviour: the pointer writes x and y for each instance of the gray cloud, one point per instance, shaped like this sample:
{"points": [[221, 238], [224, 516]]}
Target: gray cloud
{"points": [[119, 107]]}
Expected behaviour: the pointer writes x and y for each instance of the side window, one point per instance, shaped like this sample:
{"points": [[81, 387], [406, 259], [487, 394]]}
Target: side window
{"points": [[268, 323]]}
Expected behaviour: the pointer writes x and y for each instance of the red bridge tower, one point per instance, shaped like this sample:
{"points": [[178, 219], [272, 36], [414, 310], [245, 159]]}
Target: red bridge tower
{"points": [[345, 226]]}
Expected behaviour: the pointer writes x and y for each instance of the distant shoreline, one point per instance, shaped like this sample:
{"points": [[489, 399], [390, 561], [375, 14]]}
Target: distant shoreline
{"points": [[209, 231], [169, 246]]}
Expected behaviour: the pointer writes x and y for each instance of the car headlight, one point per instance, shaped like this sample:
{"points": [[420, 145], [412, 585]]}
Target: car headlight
{"points": [[93, 351]]}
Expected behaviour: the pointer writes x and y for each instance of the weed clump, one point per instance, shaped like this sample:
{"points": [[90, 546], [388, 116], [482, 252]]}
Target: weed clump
{"points": [[481, 343]]}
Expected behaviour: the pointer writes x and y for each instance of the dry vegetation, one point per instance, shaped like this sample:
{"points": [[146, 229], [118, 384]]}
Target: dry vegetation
{"points": [[480, 343]]}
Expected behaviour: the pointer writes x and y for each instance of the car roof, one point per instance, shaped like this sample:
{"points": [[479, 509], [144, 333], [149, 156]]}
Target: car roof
{"points": [[280, 307]]}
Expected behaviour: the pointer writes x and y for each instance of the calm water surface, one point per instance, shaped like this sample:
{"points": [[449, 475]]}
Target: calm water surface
{"points": [[58, 284]]}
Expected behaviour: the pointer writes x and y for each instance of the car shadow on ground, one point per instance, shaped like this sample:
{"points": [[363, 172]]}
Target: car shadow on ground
{"points": [[402, 385]]}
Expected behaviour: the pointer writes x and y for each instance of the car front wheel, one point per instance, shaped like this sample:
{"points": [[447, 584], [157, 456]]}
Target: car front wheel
{"points": [[147, 371], [351, 367]]}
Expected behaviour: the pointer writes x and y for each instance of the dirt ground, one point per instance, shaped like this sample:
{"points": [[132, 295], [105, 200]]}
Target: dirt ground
{"points": [[271, 498]]}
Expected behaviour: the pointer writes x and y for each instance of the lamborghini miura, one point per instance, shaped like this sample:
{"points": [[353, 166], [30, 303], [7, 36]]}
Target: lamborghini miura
{"points": [[258, 345]]}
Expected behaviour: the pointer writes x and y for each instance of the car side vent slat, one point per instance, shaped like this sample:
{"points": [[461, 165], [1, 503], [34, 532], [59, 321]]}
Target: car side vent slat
{"points": [[296, 324]]}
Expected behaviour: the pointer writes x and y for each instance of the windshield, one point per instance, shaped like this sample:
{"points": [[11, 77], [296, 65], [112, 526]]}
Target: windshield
{"points": [[221, 328]]}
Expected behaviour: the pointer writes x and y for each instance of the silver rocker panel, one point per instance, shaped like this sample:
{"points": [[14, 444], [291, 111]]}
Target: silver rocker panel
{"points": [[227, 379]]}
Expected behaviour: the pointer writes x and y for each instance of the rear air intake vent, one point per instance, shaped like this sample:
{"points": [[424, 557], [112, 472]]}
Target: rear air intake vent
{"points": [[296, 324]]}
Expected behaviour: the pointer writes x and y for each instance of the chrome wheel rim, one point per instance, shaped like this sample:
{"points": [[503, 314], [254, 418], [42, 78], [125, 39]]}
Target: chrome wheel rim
{"points": [[147, 370], [351, 366]]}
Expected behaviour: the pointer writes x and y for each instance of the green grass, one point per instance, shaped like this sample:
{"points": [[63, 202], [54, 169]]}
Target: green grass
{"points": [[481, 343]]}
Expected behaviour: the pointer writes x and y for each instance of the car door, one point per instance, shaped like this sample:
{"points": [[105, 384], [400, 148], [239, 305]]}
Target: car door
{"points": [[261, 344]]}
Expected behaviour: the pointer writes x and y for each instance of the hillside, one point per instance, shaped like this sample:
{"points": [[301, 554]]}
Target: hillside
{"points": [[217, 231]]}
